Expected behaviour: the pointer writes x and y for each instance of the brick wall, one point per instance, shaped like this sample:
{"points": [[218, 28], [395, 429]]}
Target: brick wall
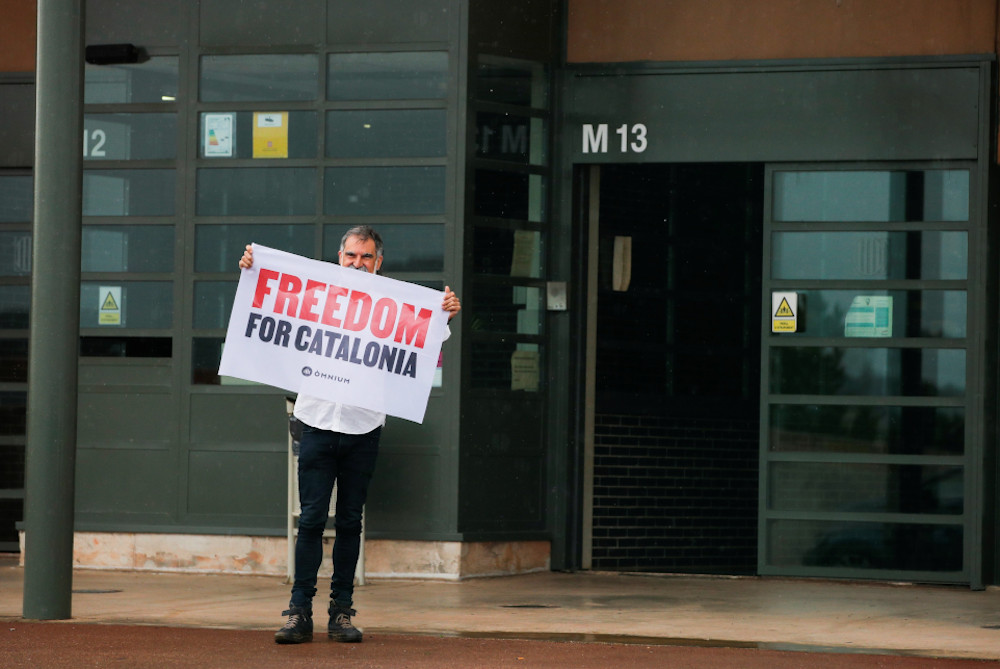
{"points": [[675, 495]]}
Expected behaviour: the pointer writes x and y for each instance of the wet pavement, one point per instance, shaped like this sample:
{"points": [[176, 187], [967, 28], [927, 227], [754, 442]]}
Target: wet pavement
{"points": [[654, 617]]}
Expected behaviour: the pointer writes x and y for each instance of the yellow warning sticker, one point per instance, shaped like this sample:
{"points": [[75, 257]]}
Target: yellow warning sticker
{"points": [[109, 303], [783, 312], [110, 311]]}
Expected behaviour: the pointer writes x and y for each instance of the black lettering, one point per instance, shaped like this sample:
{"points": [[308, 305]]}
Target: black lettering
{"points": [[354, 352], [371, 354], [283, 334], [266, 328], [343, 351], [317, 343], [331, 338], [303, 331], [411, 366], [252, 324], [388, 358]]}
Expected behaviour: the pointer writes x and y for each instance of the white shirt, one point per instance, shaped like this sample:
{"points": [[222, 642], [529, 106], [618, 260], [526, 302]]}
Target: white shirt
{"points": [[337, 417]]}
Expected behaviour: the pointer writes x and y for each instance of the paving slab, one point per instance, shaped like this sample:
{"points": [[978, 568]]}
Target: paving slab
{"points": [[637, 609]]}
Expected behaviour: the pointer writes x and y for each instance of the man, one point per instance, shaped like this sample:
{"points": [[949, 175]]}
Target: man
{"points": [[339, 444]]}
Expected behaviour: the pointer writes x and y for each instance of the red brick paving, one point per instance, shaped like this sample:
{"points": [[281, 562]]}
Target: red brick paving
{"points": [[65, 644]]}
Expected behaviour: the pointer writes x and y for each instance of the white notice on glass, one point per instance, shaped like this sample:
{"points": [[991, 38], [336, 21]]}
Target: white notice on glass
{"points": [[218, 140], [869, 316], [524, 370]]}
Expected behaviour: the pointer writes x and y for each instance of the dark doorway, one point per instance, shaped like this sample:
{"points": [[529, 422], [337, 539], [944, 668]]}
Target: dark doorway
{"points": [[678, 368]]}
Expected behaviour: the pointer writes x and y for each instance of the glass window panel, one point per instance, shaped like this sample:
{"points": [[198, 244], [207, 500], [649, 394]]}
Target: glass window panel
{"points": [[870, 255], [13, 412], [946, 195], [259, 77], [206, 353], [506, 365], [17, 198], [301, 134], [512, 82], [213, 303], [15, 253], [868, 371], [408, 248], [889, 430], [11, 513], [881, 313], [510, 137], [219, 247], [387, 76], [126, 347], [506, 308], [154, 80], [428, 283], [128, 248], [144, 304], [865, 488], [128, 192], [15, 305], [12, 470], [129, 136], [934, 195], [386, 133], [257, 191], [374, 191], [511, 195], [860, 545], [14, 360], [507, 252]]}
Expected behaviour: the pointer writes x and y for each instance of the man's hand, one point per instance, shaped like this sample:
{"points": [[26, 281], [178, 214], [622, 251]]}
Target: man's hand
{"points": [[246, 262], [451, 303]]}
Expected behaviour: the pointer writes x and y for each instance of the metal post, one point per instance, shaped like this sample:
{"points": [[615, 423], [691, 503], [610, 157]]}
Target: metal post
{"points": [[55, 312]]}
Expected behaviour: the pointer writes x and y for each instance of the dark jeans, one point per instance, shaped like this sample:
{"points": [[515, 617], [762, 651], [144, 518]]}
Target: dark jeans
{"points": [[326, 458]]}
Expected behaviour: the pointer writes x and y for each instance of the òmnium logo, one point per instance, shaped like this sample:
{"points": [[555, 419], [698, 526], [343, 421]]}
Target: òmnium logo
{"points": [[308, 371]]}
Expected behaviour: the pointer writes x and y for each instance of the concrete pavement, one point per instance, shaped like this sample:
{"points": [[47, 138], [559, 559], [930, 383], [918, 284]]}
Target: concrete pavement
{"points": [[763, 613]]}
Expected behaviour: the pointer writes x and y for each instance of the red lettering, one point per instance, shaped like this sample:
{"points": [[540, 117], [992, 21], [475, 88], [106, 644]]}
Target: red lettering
{"points": [[289, 288], [332, 305], [384, 317], [262, 287], [359, 308], [414, 325], [309, 300]]}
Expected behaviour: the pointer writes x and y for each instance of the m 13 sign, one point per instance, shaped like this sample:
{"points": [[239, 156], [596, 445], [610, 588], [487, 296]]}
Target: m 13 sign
{"points": [[630, 139]]}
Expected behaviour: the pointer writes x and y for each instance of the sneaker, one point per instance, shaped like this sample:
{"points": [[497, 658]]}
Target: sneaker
{"points": [[299, 627], [340, 628]]}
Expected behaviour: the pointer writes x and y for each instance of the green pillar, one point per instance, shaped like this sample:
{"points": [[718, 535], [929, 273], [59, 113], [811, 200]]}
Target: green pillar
{"points": [[55, 312]]}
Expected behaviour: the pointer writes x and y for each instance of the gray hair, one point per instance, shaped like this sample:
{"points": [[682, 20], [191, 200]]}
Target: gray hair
{"points": [[364, 233]]}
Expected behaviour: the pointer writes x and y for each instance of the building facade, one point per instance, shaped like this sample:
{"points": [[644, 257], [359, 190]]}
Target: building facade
{"points": [[727, 276]]}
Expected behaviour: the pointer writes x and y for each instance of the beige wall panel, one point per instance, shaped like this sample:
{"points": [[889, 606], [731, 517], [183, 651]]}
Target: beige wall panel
{"points": [[707, 30]]}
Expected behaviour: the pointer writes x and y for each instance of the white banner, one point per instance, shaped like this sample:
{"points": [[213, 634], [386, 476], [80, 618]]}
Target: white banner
{"points": [[340, 334]]}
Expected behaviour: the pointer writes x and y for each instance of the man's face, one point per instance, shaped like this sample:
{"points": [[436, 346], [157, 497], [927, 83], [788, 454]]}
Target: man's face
{"points": [[359, 254]]}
